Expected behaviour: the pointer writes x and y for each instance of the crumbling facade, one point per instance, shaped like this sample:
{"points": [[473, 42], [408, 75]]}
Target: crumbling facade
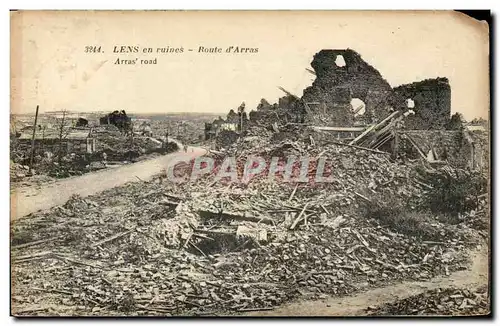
{"points": [[431, 102], [118, 119], [459, 148], [342, 75], [350, 93]]}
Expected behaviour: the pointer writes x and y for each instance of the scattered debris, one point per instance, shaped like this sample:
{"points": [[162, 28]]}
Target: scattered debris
{"points": [[216, 247], [440, 302], [213, 248]]}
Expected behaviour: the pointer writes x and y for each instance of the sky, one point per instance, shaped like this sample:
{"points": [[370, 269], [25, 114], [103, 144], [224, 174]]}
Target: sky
{"points": [[49, 66]]}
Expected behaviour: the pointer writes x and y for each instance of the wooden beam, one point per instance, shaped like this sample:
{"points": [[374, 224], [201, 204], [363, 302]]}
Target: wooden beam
{"points": [[349, 129], [235, 216], [416, 146], [374, 127], [311, 71], [288, 93], [364, 133], [358, 147]]}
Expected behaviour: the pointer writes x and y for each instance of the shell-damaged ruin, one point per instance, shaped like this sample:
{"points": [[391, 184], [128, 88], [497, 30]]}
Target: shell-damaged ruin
{"points": [[347, 193], [432, 103], [348, 91], [342, 75], [350, 100]]}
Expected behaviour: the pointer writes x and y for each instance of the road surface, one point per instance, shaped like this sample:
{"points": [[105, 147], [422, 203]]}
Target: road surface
{"points": [[472, 278], [26, 200]]}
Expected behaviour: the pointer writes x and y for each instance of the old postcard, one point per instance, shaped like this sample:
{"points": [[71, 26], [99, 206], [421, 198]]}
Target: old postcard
{"points": [[249, 163]]}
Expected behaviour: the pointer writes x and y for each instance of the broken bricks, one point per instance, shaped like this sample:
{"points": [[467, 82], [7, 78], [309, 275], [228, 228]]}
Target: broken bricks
{"points": [[159, 249]]}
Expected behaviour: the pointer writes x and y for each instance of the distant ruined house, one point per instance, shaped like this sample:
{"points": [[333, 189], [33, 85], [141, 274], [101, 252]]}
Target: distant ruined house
{"points": [[118, 119], [73, 141]]}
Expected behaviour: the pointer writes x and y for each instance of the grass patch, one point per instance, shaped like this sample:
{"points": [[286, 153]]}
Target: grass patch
{"points": [[401, 219], [454, 192]]}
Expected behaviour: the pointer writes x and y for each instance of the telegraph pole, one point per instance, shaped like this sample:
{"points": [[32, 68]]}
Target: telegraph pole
{"points": [[33, 141]]}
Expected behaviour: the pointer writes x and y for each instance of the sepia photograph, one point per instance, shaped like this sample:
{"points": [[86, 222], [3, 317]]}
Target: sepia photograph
{"points": [[249, 164]]}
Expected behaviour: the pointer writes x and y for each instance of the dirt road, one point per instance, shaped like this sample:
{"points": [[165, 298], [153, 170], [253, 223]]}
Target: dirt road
{"points": [[26, 200], [474, 277]]}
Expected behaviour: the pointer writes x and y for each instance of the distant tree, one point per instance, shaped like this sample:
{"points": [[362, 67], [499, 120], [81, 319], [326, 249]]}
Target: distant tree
{"points": [[62, 124]]}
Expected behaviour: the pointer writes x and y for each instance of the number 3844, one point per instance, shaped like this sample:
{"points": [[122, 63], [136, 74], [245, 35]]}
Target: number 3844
{"points": [[92, 49]]}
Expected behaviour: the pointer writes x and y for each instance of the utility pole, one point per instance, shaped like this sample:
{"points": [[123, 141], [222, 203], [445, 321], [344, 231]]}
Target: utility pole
{"points": [[33, 140]]}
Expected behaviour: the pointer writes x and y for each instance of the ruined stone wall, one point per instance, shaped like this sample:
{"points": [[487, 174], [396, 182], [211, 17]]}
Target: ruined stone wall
{"points": [[450, 145], [432, 99], [226, 138], [287, 110], [482, 148], [342, 75], [447, 144], [266, 118]]}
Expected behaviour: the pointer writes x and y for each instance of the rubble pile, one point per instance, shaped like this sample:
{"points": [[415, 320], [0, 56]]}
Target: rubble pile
{"points": [[18, 171], [479, 218], [154, 248], [119, 147], [440, 302], [20, 176], [68, 165], [49, 167], [48, 164], [225, 138], [352, 170]]}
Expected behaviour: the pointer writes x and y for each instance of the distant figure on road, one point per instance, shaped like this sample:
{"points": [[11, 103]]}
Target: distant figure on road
{"points": [[185, 148]]}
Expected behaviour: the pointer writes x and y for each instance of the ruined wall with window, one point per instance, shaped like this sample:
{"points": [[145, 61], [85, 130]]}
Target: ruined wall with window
{"points": [[347, 91], [430, 99], [342, 75]]}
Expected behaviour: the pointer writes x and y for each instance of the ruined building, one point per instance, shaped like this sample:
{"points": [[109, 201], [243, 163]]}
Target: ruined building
{"points": [[71, 141], [118, 119], [431, 99], [341, 75], [348, 92]]}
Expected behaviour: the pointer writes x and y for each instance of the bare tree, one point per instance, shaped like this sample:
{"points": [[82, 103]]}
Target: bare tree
{"points": [[62, 135], [130, 129]]}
